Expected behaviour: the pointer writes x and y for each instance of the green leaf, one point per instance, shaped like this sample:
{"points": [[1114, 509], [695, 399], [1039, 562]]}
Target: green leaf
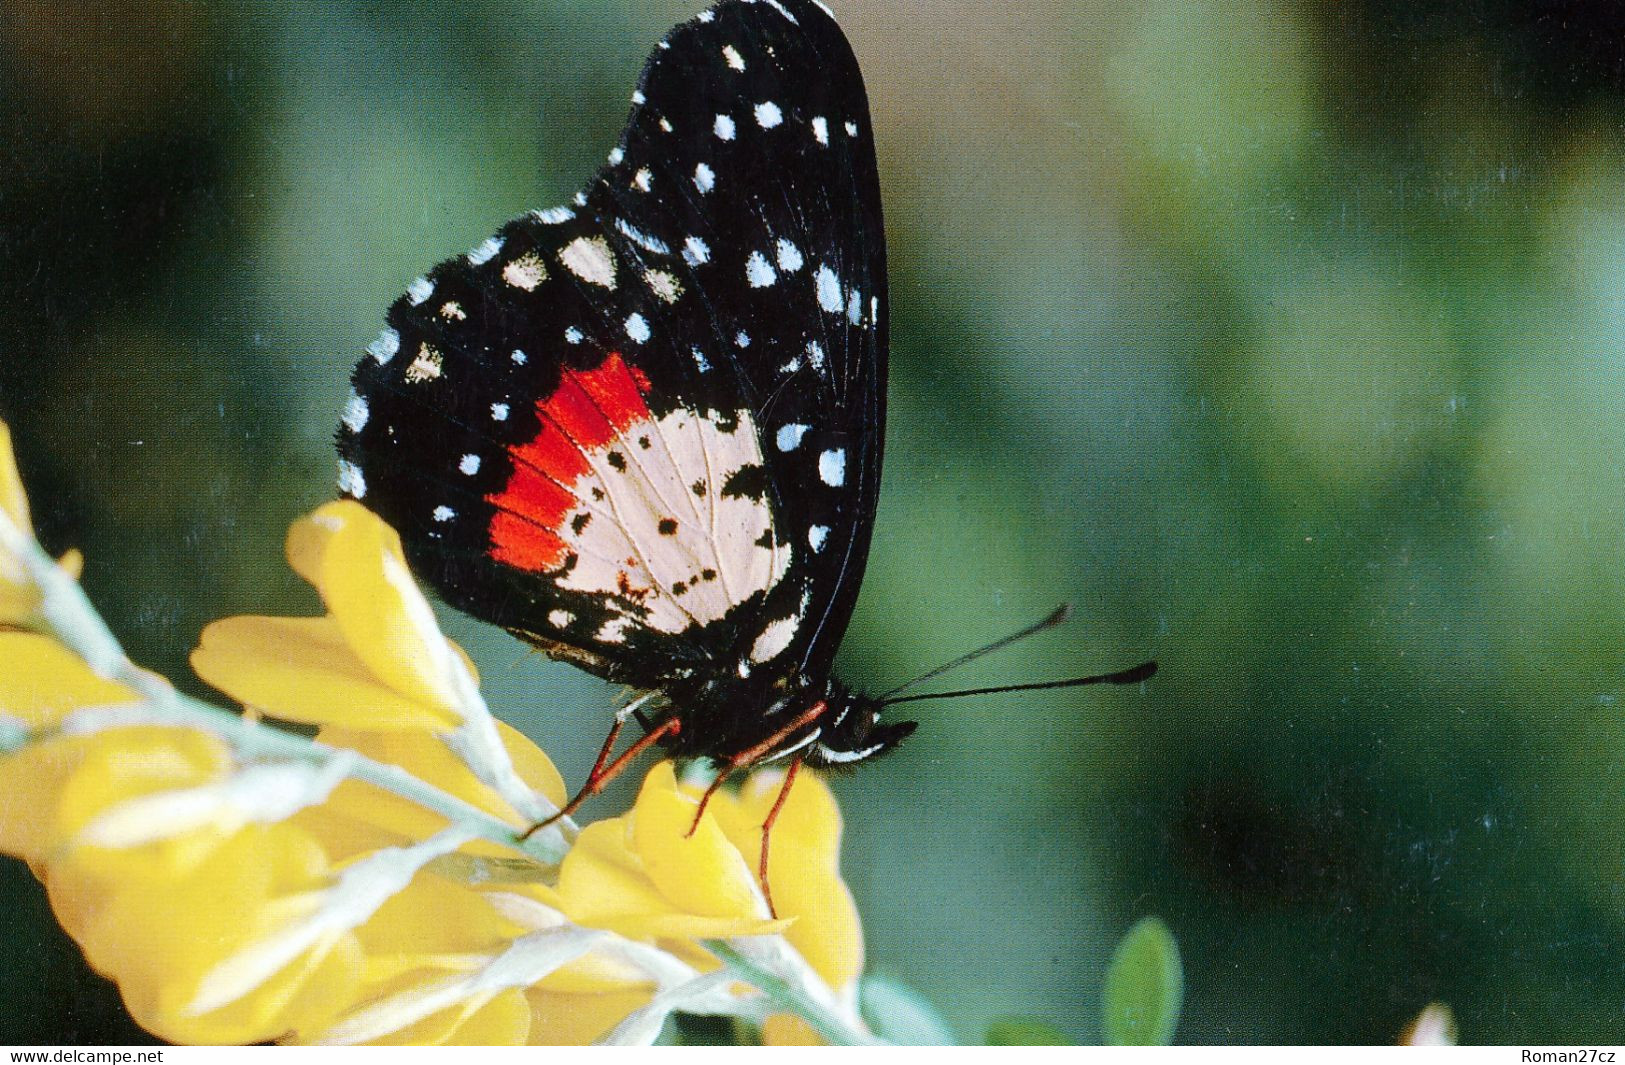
{"points": [[1024, 1032], [900, 1015], [1144, 987]]}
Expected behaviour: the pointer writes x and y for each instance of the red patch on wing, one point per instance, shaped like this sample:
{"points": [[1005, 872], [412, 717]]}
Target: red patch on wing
{"points": [[586, 411]]}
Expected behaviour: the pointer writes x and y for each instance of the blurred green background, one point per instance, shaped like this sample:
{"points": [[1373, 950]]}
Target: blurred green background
{"points": [[1286, 339]]}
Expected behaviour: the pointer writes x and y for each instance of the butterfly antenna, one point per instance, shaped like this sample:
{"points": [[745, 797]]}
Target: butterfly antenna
{"points": [[1143, 671], [1060, 614]]}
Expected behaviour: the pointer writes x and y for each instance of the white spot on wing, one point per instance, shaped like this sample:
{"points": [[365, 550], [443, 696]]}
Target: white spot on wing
{"points": [[774, 638], [525, 272], [829, 290], [643, 180], [351, 482], [444, 513], [815, 355], [758, 271], [519, 357], [768, 114], [816, 537], [499, 412], [832, 467], [851, 129], [355, 413], [616, 154], [705, 179], [724, 128], [573, 335], [637, 327], [384, 348], [642, 239], [664, 285], [426, 367], [486, 251], [781, 9], [696, 251], [553, 215], [731, 54], [470, 464], [742, 339], [699, 359], [638, 98], [419, 290], [560, 618], [820, 128], [854, 307], [790, 259], [789, 436], [590, 259]]}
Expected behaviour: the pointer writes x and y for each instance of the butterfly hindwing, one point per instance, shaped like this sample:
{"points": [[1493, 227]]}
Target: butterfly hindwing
{"points": [[645, 428]]}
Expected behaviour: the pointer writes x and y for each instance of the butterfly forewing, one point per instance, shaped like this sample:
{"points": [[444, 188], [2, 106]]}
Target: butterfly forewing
{"points": [[645, 428]]}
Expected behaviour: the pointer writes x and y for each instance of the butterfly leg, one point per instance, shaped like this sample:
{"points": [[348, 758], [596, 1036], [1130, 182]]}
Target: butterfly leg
{"points": [[767, 829], [746, 759], [596, 781], [629, 710], [705, 800]]}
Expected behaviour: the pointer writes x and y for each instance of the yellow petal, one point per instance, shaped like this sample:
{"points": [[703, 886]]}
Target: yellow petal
{"points": [[603, 883], [302, 669], [19, 598], [359, 817], [804, 870], [42, 680], [12, 498], [161, 945], [695, 866], [501, 1020], [129, 763], [601, 879], [385, 618], [308, 538], [788, 1030], [30, 782], [576, 1020], [430, 760], [434, 916]]}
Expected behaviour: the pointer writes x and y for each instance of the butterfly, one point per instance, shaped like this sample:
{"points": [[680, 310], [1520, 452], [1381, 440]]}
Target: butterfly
{"points": [[643, 431]]}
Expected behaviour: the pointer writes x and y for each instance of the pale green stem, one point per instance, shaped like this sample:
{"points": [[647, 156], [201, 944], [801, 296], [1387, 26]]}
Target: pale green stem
{"points": [[793, 996]]}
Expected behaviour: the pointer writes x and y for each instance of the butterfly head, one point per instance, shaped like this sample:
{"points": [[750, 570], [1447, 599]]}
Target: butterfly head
{"points": [[852, 730]]}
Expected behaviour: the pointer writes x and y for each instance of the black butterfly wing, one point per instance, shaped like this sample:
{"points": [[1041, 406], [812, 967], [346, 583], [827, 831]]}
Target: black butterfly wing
{"points": [[645, 430]]}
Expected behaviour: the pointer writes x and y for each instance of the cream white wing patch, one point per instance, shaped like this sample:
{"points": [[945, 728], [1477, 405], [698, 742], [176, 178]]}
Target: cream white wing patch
{"points": [[661, 518]]}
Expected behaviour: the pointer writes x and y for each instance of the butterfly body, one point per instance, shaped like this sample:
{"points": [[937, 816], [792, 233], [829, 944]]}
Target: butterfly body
{"points": [[643, 431]]}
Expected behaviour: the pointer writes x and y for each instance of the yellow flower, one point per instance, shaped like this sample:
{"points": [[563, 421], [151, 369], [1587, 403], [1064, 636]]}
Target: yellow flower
{"points": [[41, 684], [648, 877], [19, 599], [241, 884], [376, 661]]}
